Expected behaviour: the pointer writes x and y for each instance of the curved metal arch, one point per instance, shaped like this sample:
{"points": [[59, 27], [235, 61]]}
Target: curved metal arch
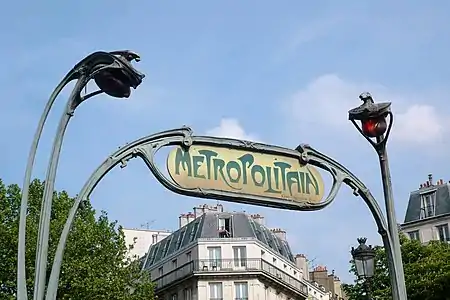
{"points": [[82, 72], [147, 147], [72, 103], [343, 175], [121, 156], [73, 74]]}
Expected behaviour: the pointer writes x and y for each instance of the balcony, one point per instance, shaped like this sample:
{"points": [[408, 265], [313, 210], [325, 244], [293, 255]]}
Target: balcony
{"points": [[233, 266]]}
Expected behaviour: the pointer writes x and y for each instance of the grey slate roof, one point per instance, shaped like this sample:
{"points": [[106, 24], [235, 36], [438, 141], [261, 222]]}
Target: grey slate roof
{"points": [[442, 202], [206, 226]]}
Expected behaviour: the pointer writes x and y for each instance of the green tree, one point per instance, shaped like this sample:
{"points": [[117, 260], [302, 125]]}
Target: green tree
{"points": [[95, 264], [427, 272]]}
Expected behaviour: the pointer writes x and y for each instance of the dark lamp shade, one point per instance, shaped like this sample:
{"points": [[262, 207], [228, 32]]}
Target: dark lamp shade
{"points": [[114, 83]]}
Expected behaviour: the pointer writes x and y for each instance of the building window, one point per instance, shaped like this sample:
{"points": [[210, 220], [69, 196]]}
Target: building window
{"points": [[215, 257], [174, 264], [187, 293], [427, 205], [215, 291], [160, 271], [241, 290], [414, 235], [174, 297], [240, 256], [189, 256], [225, 228], [443, 232]]}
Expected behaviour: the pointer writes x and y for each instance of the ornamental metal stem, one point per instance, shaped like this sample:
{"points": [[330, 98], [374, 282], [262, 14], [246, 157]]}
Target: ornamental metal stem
{"points": [[392, 220], [93, 66], [370, 110]]}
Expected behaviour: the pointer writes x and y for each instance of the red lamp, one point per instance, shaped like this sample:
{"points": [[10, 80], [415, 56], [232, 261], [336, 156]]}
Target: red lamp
{"points": [[374, 127]]}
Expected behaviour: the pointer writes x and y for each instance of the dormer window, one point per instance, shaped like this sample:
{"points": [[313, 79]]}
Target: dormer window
{"points": [[427, 205], [225, 229]]}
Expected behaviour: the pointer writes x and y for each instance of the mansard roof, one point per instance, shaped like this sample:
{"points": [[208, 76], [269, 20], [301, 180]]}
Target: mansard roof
{"points": [[206, 226]]}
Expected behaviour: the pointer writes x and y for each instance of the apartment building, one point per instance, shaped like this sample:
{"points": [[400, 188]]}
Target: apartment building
{"points": [[142, 239], [428, 214], [330, 282], [228, 255]]}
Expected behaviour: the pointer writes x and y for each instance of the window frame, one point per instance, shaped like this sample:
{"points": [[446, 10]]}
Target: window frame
{"points": [[214, 262], [241, 259], [414, 235], [427, 204], [187, 294], [241, 290], [445, 232], [216, 294]]}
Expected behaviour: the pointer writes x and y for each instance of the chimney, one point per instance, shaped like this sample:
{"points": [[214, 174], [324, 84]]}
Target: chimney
{"points": [[280, 233], [258, 219], [430, 179], [302, 263], [183, 220], [320, 269], [202, 209], [190, 217]]}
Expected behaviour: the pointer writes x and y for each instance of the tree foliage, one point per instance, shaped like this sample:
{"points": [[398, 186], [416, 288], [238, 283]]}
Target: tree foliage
{"points": [[427, 272], [95, 264]]}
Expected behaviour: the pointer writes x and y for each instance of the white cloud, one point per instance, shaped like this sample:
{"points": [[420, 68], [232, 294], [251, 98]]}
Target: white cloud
{"points": [[230, 128], [420, 124], [326, 100]]}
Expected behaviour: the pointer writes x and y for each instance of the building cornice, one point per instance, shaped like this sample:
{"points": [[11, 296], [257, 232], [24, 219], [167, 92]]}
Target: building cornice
{"points": [[424, 221]]}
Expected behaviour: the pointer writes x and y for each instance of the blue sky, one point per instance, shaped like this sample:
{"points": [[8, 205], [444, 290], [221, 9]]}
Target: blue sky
{"points": [[284, 73]]}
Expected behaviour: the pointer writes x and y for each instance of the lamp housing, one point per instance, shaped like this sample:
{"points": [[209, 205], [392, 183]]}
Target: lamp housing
{"points": [[116, 76], [364, 258]]}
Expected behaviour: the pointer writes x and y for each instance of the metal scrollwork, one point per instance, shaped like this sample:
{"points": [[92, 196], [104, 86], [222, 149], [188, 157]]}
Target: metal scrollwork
{"points": [[147, 147]]}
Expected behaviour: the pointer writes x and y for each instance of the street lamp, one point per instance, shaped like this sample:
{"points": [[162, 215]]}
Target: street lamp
{"points": [[372, 117], [375, 128], [364, 258], [115, 76]]}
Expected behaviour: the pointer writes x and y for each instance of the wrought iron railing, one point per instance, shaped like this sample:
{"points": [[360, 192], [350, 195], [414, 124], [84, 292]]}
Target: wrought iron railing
{"points": [[226, 265], [230, 265], [174, 275], [283, 276]]}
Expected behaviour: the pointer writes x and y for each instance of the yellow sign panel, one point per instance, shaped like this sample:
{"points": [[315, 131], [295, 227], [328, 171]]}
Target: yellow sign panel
{"points": [[246, 172]]}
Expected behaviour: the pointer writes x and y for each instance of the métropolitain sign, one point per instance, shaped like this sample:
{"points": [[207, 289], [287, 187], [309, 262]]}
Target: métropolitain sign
{"points": [[245, 172]]}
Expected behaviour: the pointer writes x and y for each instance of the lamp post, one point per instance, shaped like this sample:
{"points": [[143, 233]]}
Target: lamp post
{"points": [[114, 75], [364, 258], [376, 129]]}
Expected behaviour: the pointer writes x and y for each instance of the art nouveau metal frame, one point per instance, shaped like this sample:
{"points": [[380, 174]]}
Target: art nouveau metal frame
{"points": [[147, 147]]}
